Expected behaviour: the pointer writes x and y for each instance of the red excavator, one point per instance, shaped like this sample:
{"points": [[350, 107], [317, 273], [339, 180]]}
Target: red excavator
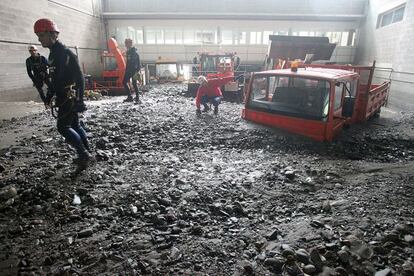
{"points": [[215, 65], [314, 100]]}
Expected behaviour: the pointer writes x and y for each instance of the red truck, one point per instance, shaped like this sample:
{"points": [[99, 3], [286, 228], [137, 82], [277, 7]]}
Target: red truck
{"points": [[315, 101]]}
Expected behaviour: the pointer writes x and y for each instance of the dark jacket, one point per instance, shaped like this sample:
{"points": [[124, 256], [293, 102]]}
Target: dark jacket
{"points": [[64, 71], [133, 63], [37, 68]]}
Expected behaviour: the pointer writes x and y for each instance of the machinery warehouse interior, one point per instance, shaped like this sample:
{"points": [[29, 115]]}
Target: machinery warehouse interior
{"points": [[224, 137]]}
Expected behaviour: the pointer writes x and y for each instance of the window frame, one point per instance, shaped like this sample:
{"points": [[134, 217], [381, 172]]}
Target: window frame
{"points": [[381, 16]]}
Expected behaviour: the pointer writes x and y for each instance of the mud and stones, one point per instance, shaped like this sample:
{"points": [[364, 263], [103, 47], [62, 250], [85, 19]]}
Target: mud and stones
{"points": [[176, 194]]}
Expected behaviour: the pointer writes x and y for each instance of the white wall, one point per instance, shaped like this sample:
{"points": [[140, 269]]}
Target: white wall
{"points": [[392, 48]]}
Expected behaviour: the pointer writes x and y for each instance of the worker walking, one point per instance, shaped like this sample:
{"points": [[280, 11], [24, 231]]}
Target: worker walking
{"points": [[37, 68], [209, 92], [133, 66], [67, 84]]}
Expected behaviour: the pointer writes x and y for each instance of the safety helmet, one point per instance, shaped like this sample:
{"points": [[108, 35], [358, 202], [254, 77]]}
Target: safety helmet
{"points": [[32, 47], [45, 25], [201, 79]]}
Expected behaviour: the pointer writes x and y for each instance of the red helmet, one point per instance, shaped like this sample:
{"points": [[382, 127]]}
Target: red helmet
{"points": [[45, 25]]}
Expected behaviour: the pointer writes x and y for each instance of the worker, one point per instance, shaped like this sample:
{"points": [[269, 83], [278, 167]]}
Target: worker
{"points": [[133, 66], [67, 85], [209, 93], [37, 68]]}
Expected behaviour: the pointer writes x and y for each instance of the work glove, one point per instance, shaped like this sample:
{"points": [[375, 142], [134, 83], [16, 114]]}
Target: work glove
{"points": [[80, 106], [198, 112]]}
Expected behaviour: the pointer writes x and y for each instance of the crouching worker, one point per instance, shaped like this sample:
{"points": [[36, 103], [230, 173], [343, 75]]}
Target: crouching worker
{"points": [[209, 92], [67, 84]]}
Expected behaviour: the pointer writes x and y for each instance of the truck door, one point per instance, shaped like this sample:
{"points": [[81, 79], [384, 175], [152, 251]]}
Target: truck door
{"points": [[338, 119]]}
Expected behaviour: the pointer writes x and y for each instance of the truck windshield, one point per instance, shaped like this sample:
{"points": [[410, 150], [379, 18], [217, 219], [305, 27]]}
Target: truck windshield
{"points": [[209, 64], [291, 96]]}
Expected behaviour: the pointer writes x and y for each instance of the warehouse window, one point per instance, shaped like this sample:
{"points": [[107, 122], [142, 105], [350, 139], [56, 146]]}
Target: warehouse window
{"points": [[227, 37], [255, 37], [154, 36], [189, 36], [169, 36], [139, 36], [391, 16], [240, 38], [206, 36], [266, 36]]}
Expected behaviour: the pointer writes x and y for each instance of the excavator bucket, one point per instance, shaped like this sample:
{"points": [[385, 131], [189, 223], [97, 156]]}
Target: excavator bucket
{"points": [[300, 47]]}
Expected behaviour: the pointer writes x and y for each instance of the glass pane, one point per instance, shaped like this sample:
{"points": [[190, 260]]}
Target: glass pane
{"points": [[150, 36], [227, 37], [252, 37], [241, 39], [297, 97], [386, 19], [344, 39], [338, 96], [169, 36], [159, 36], [120, 35], [178, 37], [266, 35], [259, 89], [398, 14], [140, 36], [189, 37]]}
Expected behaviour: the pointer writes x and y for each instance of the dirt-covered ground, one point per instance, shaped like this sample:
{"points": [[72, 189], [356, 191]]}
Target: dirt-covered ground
{"points": [[173, 194]]}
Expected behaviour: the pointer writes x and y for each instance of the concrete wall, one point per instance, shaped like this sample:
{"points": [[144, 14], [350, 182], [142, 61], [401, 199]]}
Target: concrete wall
{"points": [[392, 48], [79, 23], [258, 8]]}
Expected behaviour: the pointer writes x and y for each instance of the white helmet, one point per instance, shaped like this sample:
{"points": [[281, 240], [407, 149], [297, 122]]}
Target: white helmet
{"points": [[201, 79], [32, 47]]}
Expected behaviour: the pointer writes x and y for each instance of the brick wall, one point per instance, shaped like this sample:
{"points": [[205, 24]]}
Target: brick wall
{"points": [[80, 26]]}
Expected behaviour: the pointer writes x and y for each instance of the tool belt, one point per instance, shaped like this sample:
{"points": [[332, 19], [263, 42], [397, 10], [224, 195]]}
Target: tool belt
{"points": [[68, 96]]}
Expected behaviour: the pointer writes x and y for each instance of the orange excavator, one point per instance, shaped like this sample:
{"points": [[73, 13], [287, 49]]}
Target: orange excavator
{"points": [[114, 65]]}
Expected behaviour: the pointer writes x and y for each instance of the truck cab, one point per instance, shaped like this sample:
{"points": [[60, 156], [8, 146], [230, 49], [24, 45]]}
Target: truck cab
{"points": [[312, 101]]}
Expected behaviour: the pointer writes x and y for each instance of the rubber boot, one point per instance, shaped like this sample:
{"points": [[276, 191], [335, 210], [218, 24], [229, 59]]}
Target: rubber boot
{"points": [[215, 110], [129, 99]]}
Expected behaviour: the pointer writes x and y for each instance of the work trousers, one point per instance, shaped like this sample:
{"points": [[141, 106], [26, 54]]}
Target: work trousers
{"points": [[39, 86], [213, 100], [69, 127], [127, 78]]}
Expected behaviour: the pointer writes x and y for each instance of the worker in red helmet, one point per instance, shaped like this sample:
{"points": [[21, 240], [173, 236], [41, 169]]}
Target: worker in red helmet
{"points": [[37, 69], [133, 66], [209, 92], [67, 85]]}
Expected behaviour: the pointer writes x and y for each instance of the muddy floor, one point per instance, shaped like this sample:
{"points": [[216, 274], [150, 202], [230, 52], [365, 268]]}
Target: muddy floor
{"points": [[173, 194]]}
